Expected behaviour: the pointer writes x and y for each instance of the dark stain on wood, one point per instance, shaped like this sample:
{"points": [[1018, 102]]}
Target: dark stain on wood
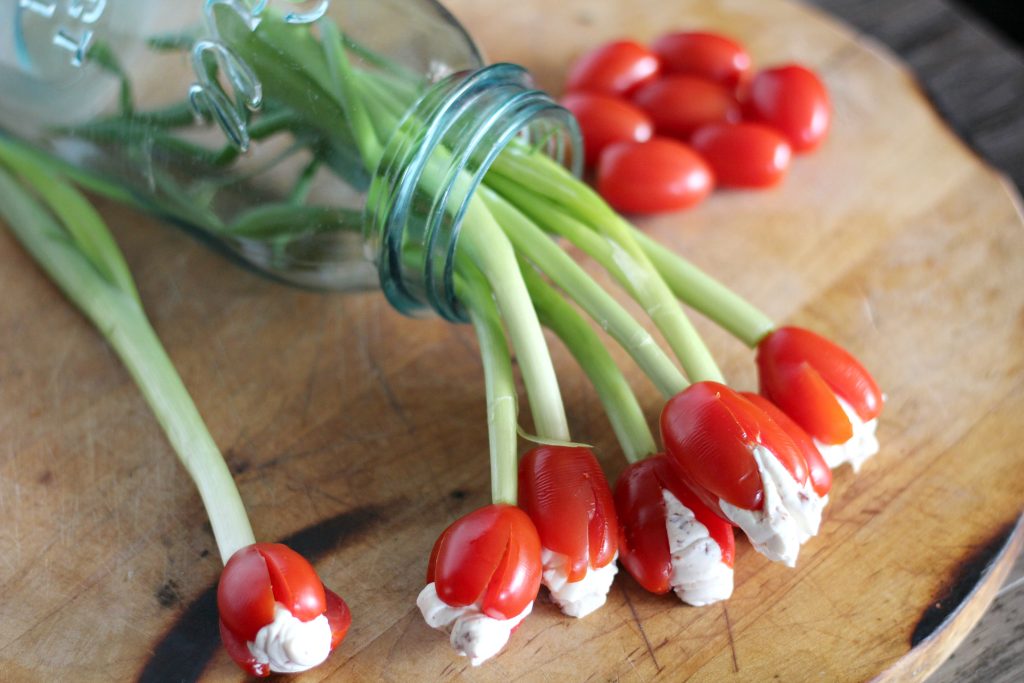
{"points": [[168, 594], [967, 575], [189, 645]]}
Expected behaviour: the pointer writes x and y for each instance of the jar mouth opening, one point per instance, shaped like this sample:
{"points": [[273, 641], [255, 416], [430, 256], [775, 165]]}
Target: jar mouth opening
{"points": [[433, 165]]}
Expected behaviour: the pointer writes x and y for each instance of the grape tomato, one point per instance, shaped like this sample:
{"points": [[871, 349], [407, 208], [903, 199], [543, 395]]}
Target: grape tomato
{"points": [[743, 154], [679, 105], [615, 68], [654, 176], [605, 120], [708, 55]]}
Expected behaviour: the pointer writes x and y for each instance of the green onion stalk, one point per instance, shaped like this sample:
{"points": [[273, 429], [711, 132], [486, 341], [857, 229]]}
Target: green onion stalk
{"points": [[66, 236]]}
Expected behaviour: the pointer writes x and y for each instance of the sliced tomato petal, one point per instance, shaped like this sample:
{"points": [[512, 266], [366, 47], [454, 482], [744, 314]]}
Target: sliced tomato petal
{"points": [[295, 583], [338, 617], [245, 596], [817, 469]]}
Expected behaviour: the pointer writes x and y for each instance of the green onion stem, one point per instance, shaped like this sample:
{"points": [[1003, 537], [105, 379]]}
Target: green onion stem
{"points": [[117, 313], [502, 409], [619, 401], [529, 240], [706, 294], [482, 240], [540, 178]]}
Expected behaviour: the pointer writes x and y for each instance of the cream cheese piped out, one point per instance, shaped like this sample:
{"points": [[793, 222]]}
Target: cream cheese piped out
{"points": [[577, 598], [288, 645], [858, 448], [790, 515], [473, 633], [699, 577]]}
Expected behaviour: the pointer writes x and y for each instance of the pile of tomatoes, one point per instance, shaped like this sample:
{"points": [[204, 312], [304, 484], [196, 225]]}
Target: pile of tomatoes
{"points": [[664, 125]]}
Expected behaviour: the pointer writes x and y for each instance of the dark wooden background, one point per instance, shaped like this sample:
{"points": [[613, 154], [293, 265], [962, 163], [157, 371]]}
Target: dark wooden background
{"points": [[969, 59]]}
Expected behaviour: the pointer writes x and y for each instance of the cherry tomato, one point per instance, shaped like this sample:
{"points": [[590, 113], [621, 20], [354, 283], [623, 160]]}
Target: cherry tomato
{"points": [[491, 555], [643, 543], [743, 154], [792, 100], [564, 492], [649, 177], [605, 120], [679, 105], [707, 55], [818, 470], [257, 577], [709, 431], [613, 69], [802, 373]]}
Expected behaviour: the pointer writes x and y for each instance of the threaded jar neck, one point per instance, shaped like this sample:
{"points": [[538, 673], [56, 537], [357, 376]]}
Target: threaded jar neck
{"points": [[433, 164]]}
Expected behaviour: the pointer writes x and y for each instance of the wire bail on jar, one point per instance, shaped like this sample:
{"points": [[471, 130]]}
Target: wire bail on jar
{"points": [[431, 167]]}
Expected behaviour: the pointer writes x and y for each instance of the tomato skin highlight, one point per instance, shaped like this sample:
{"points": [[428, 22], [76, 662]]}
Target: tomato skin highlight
{"points": [[491, 555], [565, 493], [643, 539], [794, 101], [802, 373], [654, 176], [681, 104], [615, 68], [709, 432], [744, 155], [605, 120], [708, 55], [818, 470]]}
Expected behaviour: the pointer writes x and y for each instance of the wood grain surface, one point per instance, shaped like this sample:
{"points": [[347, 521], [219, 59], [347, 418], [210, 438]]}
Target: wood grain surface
{"points": [[357, 435]]}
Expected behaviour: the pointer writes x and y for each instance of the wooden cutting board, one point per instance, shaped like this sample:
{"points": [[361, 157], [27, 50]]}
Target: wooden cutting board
{"points": [[357, 435]]}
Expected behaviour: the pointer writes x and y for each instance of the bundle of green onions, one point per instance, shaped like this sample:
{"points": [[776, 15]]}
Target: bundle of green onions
{"points": [[728, 459]]}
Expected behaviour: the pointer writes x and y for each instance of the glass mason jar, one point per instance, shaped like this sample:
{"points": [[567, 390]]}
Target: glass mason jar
{"points": [[299, 136]]}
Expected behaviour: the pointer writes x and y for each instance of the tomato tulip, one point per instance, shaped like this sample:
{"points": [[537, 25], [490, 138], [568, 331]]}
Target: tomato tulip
{"points": [[744, 465], [275, 614], [483, 575], [565, 493], [823, 389], [669, 538]]}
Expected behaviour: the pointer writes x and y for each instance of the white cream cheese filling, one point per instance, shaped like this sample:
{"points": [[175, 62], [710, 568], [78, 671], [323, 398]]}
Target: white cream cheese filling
{"points": [[790, 515], [858, 448], [699, 577], [289, 645], [473, 633], [576, 598]]}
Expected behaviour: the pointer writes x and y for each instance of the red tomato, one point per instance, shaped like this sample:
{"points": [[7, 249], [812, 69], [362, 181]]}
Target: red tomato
{"points": [[818, 470], [643, 542], [709, 431], [566, 495], [492, 555], [653, 176], [743, 154], [260, 575], [707, 55], [792, 100], [613, 69], [679, 105], [802, 373], [605, 120]]}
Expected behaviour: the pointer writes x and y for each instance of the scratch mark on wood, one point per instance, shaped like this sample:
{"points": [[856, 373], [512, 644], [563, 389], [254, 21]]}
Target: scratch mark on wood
{"points": [[643, 633], [732, 642]]}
